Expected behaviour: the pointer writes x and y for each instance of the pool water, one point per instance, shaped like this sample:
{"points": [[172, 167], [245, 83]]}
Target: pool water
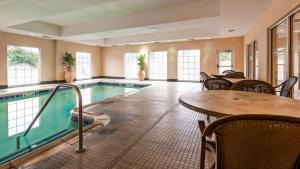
{"points": [[16, 114]]}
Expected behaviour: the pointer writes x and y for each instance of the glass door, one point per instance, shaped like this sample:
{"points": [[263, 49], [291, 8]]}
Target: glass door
{"points": [[252, 60], [225, 60], [296, 50], [256, 60], [279, 56], [250, 65]]}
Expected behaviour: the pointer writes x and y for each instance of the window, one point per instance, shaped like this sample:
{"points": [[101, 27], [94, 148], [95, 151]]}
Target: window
{"points": [[83, 65], [279, 59], [252, 61], [131, 67], [225, 60], [23, 65], [188, 65], [21, 113], [158, 65]]}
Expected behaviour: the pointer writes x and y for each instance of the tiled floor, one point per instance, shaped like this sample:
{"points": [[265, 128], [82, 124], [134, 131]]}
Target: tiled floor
{"points": [[148, 129]]}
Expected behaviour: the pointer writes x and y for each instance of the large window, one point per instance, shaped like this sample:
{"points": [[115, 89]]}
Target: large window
{"points": [[23, 65], [252, 60], [131, 67], [83, 65], [189, 65], [279, 45], [21, 113], [225, 60], [158, 65]]}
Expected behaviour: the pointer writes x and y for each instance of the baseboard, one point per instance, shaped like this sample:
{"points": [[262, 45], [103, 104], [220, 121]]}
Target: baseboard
{"points": [[3, 86], [111, 77], [172, 80], [176, 80], [52, 81], [96, 77]]}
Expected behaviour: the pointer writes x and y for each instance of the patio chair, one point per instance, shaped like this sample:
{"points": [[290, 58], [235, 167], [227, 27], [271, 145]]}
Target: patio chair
{"points": [[204, 76], [217, 84], [286, 86], [257, 86], [228, 71], [254, 141], [239, 75]]}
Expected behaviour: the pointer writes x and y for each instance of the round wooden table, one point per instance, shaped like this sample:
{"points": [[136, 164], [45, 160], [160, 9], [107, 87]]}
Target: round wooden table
{"points": [[219, 103]]}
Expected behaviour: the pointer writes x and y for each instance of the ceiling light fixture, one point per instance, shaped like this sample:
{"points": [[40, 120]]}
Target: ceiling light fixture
{"points": [[231, 30], [297, 31], [153, 29], [280, 49], [46, 37]]}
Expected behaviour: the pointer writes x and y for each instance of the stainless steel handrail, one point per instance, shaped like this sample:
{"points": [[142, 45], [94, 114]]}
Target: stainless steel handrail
{"points": [[80, 147]]}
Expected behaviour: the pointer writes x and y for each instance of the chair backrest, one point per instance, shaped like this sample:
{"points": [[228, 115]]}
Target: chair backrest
{"points": [[235, 75], [256, 141], [204, 76], [287, 86], [217, 84], [228, 71], [257, 86]]}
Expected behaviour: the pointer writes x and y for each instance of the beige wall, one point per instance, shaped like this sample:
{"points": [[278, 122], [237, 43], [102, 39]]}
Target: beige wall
{"points": [[47, 54], [259, 32], [113, 57], [108, 61], [51, 54], [62, 47]]}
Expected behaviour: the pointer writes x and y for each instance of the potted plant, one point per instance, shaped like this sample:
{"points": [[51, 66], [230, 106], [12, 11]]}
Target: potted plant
{"points": [[142, 66], [69, 62]]}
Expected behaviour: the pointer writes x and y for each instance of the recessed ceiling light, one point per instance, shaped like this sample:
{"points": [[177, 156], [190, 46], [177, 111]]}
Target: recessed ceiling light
{"points": [[153, 29], [297, 20], [46, 37], [231, 30], [280, 48]]}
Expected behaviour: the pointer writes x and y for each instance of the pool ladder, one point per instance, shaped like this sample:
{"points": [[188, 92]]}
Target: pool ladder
{"points": [[80, 147]]}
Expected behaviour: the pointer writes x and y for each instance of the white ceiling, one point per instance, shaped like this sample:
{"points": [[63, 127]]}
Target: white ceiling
{"points": [[117, 22]]}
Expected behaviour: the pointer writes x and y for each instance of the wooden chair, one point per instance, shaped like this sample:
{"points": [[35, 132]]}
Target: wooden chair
{"points": [[204, 76], [239, 75], [287, 86], [257, 86], [254, 142], [228, 71], [217, 84]]}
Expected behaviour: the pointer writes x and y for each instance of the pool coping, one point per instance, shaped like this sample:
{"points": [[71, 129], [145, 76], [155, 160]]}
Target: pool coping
{"points": [[35, 152], [80, 85]]}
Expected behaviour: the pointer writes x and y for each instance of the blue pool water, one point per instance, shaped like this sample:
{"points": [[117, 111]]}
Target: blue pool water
{"points": [[55, 122]]}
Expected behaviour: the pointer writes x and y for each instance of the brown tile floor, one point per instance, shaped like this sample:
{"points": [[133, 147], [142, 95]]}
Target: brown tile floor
{"points": [[148, 129]]}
